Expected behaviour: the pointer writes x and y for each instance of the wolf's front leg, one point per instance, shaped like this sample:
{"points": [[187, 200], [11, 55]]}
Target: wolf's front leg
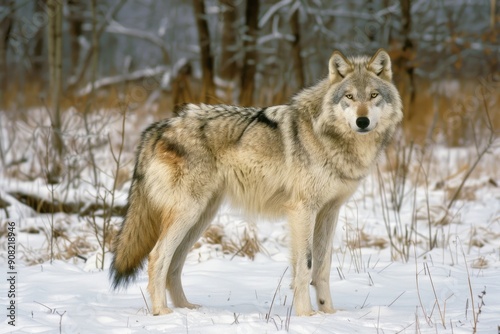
{"points": [[301, 228], [324, 230]]}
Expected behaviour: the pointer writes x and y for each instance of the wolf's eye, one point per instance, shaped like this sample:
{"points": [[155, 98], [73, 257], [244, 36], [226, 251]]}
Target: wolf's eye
{"points": [[349, 96], [374, 95]]}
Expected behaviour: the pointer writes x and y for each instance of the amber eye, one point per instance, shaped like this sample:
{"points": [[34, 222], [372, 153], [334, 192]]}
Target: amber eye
{"points": [[349, 96], [374, 95]]}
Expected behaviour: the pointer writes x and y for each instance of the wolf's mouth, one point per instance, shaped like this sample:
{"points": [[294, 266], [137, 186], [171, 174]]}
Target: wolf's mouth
{"points": [[365, 130]]}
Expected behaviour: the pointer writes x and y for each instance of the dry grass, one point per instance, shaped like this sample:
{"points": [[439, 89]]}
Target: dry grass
{"points": [[364, 240], [32, 94], [247, 244], [444, 110], [65, 248]]}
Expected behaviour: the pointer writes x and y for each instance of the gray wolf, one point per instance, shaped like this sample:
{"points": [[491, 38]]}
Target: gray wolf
{"points": [[300, 161]]}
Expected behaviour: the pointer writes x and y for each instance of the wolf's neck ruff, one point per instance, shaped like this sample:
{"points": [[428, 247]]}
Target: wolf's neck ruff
{"points": [[302, 161]]}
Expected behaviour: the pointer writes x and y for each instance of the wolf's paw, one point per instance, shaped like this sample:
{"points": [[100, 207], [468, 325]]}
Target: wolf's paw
{"points": [[189, 306], [306, 313], [327, 310], [162, 310]]}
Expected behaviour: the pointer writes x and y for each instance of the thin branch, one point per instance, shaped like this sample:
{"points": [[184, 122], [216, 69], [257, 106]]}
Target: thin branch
{"points": [[116, 28], [75, 80], [116, 79]]}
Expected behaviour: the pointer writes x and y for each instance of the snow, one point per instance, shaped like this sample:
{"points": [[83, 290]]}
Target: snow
{"points": [[236, 296], [374, 288]]}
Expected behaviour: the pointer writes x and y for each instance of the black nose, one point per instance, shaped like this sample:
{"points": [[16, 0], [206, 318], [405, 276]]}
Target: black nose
{"points": [[362, 122]]}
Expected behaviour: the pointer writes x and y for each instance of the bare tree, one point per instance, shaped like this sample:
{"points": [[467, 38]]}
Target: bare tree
{"points": [[407, 54], [250, 58], [86, 59], [38, 58], [296, 49], [181, 89], [76, 9], [207, 63], [227, 64], [5, 28], [55, 68]]}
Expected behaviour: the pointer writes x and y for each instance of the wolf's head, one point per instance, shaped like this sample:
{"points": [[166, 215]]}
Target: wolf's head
{"points": [[361, 94]]}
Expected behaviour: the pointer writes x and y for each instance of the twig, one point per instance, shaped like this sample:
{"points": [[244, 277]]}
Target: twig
{"points": [[436, 297], [145, 301], [50, 309], [236, 321], [341, 274], [474, 315], [364, 302], [60, 320], [405, 328], [239, 250], [275, 324], [288, 317], [491, 139], [418, 289], [479, 307], [402, 293], [268, 316], [378, 320]]}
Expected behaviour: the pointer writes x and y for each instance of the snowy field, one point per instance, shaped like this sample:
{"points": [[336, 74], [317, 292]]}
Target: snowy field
{"points": [[412, 259]]}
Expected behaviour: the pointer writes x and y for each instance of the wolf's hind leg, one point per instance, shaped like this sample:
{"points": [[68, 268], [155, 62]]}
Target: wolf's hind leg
{"points": [[157, 294], [324, 229], [173, 283], [175, 226]]}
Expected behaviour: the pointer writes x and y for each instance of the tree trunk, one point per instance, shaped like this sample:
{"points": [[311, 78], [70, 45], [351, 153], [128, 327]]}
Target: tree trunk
{"points": [[38, 58], [5, 29], [181, 89], [407, 53], [299, 65], [227, 64], [55, 69], [76, 12], [207, 63], [250, 58]]}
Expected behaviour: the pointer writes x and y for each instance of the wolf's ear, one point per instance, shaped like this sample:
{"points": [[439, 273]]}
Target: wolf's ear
{"points": [[338, 67], [380, 64]]}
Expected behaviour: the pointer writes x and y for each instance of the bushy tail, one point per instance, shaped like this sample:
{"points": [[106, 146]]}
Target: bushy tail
{"points": [[136, 238]]}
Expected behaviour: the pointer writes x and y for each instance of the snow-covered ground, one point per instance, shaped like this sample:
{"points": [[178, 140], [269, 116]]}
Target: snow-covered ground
{"points": [[377, 287]]}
